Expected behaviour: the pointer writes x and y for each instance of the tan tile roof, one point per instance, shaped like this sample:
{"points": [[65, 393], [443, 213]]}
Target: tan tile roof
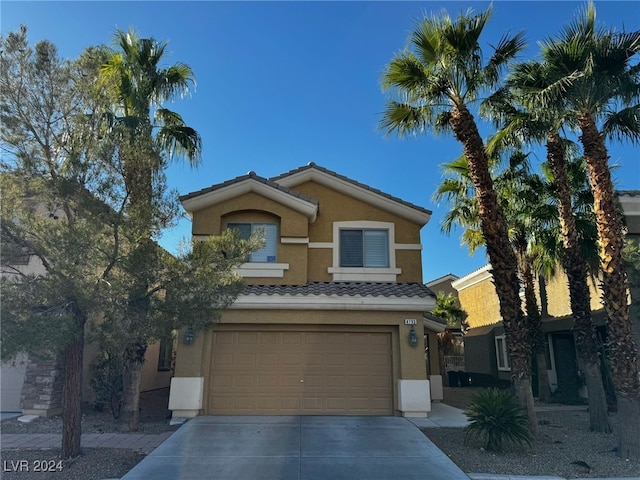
{"points": [[343, 289]]}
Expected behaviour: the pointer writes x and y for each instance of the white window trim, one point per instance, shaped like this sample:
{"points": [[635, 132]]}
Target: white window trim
{"points": [[364, 274], [501, 368]]}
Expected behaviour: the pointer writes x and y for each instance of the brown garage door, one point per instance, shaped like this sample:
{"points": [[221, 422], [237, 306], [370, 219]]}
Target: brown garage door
{"points": [[310, 373]]}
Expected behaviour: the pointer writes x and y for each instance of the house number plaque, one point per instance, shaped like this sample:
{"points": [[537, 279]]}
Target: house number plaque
{"points": [[410, 321]]}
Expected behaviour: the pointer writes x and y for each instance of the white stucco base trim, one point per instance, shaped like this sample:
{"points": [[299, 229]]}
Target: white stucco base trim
{"points": [[437, 392], [414, 399], [185, 396]]}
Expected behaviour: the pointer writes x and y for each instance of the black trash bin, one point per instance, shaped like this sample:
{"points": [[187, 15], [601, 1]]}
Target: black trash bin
{"points": [[454, 379], [464, 379]]}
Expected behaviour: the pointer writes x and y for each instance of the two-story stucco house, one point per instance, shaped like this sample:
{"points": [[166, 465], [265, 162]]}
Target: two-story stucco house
{"points": [[331, 320]]}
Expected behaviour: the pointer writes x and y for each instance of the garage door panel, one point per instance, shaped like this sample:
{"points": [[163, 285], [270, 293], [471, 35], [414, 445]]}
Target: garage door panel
{"points": [[268, 359], [248, 338], [290, 380], [291, 338], [292, 359], [336, 359], [222, 338], [246, 359], [300, 373]]}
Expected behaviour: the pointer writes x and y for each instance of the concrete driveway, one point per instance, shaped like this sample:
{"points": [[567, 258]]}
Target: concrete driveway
{"points": [[297, 448]]}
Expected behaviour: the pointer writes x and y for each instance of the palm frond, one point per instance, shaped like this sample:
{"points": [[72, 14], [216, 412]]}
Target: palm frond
{"points": [[180, 141], [405, 72], [623, 125], [506, 50], [404, 119]]}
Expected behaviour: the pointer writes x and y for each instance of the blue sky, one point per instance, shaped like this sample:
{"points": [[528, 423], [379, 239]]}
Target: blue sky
{"points": [[281, 84]]}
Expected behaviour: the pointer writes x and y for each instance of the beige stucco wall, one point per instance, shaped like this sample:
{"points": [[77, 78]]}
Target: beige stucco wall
{"points": [[480, 301], [338, 207], [254, 208], [207, 221], [444, 287], [558, 295], [310, 264]]}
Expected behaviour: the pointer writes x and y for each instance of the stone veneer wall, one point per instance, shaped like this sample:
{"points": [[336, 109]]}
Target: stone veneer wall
{"points": [[42, 389]]}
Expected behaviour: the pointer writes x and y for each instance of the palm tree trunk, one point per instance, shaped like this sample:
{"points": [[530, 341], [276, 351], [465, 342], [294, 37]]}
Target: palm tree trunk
{"points": [[72, 393], [503, 261], [623, 350], [584, 331], [139, 160], [544, 390], [536, 337]]}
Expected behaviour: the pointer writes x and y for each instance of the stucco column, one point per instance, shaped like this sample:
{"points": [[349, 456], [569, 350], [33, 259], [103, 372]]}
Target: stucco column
{"points": [[414, 399], [186, 395]]}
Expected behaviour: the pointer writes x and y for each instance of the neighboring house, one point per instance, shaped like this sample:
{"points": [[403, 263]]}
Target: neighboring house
{"points": [[34, 386], [485, 349], [443, 285], [332, 317]]}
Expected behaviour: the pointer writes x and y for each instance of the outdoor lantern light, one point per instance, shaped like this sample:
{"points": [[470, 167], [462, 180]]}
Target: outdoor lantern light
{"points": [[413, 337], [189, 336]]}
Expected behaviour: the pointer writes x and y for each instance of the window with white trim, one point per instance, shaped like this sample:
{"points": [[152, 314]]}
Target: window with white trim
{"points": [[364, 248], [266, 254], [502, 356]]}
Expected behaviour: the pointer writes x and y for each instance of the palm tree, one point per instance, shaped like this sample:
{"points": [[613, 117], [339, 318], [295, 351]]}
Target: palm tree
{"points": [[436, 83], [517, 126], [519, 193], [152, 135], [589, 74]]}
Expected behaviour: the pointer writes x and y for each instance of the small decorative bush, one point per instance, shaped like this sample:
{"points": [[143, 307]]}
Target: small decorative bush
{"points": [[106, 383], [497, 418]]}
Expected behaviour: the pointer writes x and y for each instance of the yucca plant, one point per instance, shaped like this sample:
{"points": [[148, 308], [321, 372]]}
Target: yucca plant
{"points": [[497, 418]]}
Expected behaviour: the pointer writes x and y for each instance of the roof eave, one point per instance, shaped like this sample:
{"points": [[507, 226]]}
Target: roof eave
{"points": [[334, 302], [250, 185]]}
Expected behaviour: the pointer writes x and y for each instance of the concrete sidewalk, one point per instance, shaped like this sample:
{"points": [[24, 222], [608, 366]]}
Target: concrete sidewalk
{"points": [[141, 442], [442, 415]]}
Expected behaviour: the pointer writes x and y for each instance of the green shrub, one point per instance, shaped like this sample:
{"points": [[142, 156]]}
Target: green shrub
{"points": [[106, 382], [497, 418]]}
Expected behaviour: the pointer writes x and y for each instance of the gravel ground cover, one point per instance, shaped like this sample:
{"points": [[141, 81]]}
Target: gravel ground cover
{"points": [[564, 447]]}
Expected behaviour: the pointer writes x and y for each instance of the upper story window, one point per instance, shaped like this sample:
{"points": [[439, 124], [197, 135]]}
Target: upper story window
{"points": [[269, 231], [364, 251], [364, 248]]}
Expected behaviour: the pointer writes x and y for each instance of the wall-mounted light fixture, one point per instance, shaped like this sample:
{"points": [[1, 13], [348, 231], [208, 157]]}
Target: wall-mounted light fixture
{"points": [[413, 337], [189, 336]]}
